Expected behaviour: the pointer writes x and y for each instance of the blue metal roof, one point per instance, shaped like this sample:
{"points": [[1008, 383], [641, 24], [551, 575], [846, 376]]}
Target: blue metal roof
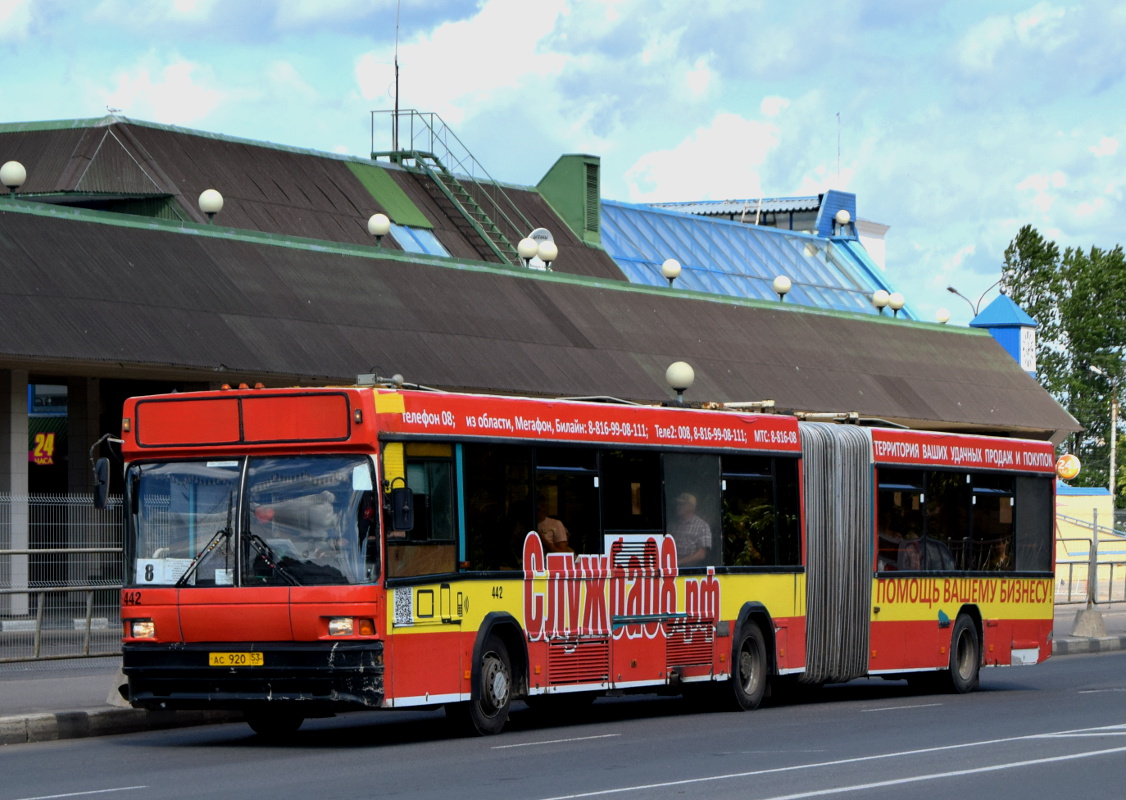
{"points": [[1002, 313], [748, 206], [730, 258]]}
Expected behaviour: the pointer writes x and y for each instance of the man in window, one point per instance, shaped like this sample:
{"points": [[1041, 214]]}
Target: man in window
{"points": [[551, 531], [692, 535]]}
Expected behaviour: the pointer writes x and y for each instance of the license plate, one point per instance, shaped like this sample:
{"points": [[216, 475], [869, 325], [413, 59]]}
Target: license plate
{"points": [[234, 659]]}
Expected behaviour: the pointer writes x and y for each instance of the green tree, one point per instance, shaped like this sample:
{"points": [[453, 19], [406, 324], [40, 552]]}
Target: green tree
{"points": [[1079, 300]]}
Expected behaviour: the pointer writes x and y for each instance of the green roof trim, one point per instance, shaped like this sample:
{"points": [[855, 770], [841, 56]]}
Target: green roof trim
{"points": [[394, 201]]}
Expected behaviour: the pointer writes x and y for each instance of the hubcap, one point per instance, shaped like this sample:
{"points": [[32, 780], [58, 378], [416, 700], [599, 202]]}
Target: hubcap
{"points": [[747, 668], [495, 684]]}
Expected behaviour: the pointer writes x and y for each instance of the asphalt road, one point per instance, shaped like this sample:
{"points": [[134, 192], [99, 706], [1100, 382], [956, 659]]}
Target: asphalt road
{"points": [[1052, 731]]}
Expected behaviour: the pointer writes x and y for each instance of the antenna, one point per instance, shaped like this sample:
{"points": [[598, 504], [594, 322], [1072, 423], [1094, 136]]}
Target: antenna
{"points": [[838, 149], [395, 116]]}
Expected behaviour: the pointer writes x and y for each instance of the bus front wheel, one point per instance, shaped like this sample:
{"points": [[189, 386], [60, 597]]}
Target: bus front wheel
{"points": [[748, 671], [965, 656], [487, 712]]}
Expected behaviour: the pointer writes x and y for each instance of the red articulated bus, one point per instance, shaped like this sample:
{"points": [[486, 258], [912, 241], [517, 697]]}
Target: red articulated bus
{"points": [[296, 553]]}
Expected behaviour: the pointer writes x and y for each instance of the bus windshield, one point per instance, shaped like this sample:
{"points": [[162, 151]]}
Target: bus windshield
{"points": [[279, 520]]}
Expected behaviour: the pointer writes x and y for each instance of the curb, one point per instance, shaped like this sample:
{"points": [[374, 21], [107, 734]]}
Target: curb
{"points": [[49, 727], [1074, 645]]}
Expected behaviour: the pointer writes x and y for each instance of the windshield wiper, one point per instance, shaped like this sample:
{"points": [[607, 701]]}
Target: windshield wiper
{"points": [[212, 543], [264, 550]]}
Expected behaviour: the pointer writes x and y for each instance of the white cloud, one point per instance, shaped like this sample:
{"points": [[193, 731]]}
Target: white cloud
{"points": [[458, 68], [1106, 147], [15, 20], [1041, 187], [773, 105], [175, 93], [699, 77], [667, 174]]}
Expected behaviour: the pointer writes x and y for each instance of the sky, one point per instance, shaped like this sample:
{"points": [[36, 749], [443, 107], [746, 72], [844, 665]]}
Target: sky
{"points": [[954, 123]]}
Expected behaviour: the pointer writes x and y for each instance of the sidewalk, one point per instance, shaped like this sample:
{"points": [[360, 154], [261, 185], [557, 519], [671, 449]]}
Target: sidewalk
{"points": [[68, 699]]}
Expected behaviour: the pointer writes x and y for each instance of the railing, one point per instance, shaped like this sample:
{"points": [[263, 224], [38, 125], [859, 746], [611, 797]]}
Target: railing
{"points": [[1090, 569], [416, 132], [60, 577]]}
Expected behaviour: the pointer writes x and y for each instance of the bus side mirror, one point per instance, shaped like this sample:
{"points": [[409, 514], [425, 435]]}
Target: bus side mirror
{"points": [[101, 483], [402, 509]]}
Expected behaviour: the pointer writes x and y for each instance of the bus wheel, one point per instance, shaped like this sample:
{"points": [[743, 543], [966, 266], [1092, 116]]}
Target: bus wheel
{"points": [[965, 656], [487, 712], [274, 725], [748, 678]]}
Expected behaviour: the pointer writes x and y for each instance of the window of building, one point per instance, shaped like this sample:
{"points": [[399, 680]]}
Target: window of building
{"points": [[418, 240]]}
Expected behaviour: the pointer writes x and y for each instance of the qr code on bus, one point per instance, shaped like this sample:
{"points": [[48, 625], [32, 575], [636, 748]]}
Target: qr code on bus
{"points": [[403, 606]]}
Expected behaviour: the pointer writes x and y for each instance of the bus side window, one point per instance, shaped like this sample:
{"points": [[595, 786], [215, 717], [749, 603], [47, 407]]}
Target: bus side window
{"points": [[692, 508], [499, 508], [430, 547], [992, 542], [1034, 534]]}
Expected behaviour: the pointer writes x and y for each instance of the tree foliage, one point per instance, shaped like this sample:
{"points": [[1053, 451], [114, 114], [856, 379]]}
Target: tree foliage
{"points": [[1079, 300]]}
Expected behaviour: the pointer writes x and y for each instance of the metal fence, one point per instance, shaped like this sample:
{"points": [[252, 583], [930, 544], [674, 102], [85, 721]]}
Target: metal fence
{"points": [[1090, 568], [60, 577]]}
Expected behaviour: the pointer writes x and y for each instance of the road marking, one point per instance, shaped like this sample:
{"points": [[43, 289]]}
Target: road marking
{"points": [[1097, 691], [898, 708], [860, 759], [83, 794], [556, 741]]}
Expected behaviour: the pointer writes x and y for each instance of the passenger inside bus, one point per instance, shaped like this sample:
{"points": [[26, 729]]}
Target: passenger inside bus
{"points": [[551, 531], [692, 535]]}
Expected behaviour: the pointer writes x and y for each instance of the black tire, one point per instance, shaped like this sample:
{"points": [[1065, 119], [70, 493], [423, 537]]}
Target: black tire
{"points": [[745, 690], [274, 725], [965, 656], [487, 712]]}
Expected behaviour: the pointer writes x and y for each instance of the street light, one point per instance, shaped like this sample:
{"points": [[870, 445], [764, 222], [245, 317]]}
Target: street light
{"points": [[670, 269], [680, 376], [1005, 274], [379, 225], [1113, 423], [781, 286]]}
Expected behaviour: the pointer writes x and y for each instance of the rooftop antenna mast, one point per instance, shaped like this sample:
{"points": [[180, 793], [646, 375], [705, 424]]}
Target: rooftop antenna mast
{"points": [[395, 116], [838, 149]]}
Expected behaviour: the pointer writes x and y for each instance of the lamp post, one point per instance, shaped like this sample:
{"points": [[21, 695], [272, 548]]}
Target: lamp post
{"points": [[896, 302], [210, 203], [1005, 275], [527, 249], [880, 299], [379, 225], [680, 376], [670, 269], [547, 252], [12, 175], [782, 285], [1113, 424]]}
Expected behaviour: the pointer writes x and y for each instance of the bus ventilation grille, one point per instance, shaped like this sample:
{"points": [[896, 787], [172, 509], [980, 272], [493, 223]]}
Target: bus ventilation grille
{"points": [[689, 643], [579, 661]]}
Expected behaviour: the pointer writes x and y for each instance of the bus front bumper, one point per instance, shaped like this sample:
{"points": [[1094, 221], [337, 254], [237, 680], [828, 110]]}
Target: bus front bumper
{"points": [[314, 677]]}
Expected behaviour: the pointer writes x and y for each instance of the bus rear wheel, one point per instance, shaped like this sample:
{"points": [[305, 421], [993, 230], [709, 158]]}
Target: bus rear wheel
{"points": [[965, 656], [487, 712], [748, 671]]}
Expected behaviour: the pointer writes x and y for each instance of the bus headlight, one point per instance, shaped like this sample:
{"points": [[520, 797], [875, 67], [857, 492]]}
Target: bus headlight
{"points": [[347, 626], [142, 629]]}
